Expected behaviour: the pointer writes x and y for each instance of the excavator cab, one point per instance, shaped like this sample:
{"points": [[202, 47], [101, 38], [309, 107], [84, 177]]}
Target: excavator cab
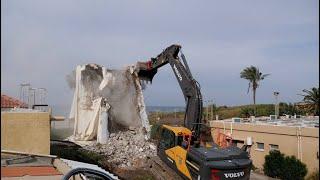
{"points": [[172, 136], [173, 148], [193, 161]]}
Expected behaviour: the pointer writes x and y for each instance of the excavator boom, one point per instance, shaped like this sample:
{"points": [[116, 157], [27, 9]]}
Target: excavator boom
{"points": [[188, 85]]}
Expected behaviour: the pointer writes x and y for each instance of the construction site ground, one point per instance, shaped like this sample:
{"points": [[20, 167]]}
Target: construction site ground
{"points": [[150, 168]]}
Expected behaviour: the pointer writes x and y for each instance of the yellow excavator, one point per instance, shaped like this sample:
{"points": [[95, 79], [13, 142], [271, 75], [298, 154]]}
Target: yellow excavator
{"points": [[179, 146]]}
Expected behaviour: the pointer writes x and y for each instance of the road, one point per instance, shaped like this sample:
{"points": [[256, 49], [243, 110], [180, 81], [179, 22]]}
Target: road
{"points": [[256, 176]]}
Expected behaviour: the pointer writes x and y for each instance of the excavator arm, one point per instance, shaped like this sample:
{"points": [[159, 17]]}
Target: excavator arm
{"points": [[188, 85]]}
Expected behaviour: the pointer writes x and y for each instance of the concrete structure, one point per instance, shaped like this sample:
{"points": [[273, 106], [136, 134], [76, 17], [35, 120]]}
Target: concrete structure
{"points": [[25, 131], [298, 137]]}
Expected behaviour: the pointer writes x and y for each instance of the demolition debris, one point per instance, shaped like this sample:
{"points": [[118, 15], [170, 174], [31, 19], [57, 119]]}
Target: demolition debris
{"points": [[126, 149], [110, 116]]}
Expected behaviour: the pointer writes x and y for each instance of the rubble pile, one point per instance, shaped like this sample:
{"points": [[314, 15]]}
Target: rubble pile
{"points": [[126, 149]]}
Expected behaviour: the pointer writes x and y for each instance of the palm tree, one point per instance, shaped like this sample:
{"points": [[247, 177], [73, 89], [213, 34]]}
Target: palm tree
{"points": [[254, 76], [311, 97]]}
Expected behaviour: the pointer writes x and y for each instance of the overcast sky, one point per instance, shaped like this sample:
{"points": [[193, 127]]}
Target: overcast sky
{"points": [[42, 41]]}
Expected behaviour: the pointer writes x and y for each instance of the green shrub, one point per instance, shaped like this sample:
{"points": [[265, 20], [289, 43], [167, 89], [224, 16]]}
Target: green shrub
{"points": [[293, 168], [246, 112], [155, 131], [277, 165], [273, 164], [265, 109]]}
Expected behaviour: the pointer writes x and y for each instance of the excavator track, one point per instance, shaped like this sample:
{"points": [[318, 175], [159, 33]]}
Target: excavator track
{"points": [[161, 171]]}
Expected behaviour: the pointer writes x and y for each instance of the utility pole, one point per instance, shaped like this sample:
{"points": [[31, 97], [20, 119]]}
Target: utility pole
{"points": [[211, 110], [276, 105], [207, 110], [175, 113], [208, 116]]}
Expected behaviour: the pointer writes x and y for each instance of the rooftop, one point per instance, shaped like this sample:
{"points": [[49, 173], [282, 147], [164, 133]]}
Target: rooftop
{"points": [[301, 121], [10, 102], [28, 166]]}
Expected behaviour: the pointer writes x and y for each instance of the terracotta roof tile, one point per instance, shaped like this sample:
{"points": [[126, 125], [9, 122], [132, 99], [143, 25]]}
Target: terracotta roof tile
{"points": [[10, 102]]}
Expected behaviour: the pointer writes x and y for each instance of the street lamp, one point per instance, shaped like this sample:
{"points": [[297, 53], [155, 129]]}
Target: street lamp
{"points": [[207, 102], [212, 109], [276, 105]]}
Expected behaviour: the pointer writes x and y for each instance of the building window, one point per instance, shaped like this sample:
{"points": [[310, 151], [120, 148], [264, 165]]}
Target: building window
{"points": [[237, 143], [274, 147], [260, 146]]}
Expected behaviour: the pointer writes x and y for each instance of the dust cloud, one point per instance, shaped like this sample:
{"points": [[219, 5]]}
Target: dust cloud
{"points": [[122, 91]]}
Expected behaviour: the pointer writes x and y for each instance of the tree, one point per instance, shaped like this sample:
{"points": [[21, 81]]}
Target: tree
{"points": [[311, 97], [254, 76], [289, 109]]}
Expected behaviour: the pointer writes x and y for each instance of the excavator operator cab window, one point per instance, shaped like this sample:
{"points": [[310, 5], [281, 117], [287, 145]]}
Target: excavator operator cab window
{"points": [[167, 139], [179, 140]]}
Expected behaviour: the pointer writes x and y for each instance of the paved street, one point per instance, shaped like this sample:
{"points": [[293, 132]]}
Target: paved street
{"points": [[256, 176]]}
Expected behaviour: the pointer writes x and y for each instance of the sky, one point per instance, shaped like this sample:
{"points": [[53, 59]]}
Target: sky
{"points": [[42, 41]]}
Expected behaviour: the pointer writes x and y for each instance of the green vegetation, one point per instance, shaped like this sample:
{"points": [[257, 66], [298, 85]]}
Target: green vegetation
{"points": [[311, 97], [60, 134], [74, 152], [277, 165], [290, 109], [273, 164], [226, 112], [254, 76], [246, 112], [155, 132], [293, 168]]}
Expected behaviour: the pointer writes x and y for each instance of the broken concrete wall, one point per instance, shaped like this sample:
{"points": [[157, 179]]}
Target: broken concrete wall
{"points": [[120, 89]]}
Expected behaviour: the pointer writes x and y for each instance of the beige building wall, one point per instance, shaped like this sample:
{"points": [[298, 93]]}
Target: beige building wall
{"points": [[25, 132], [287, 138]]}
